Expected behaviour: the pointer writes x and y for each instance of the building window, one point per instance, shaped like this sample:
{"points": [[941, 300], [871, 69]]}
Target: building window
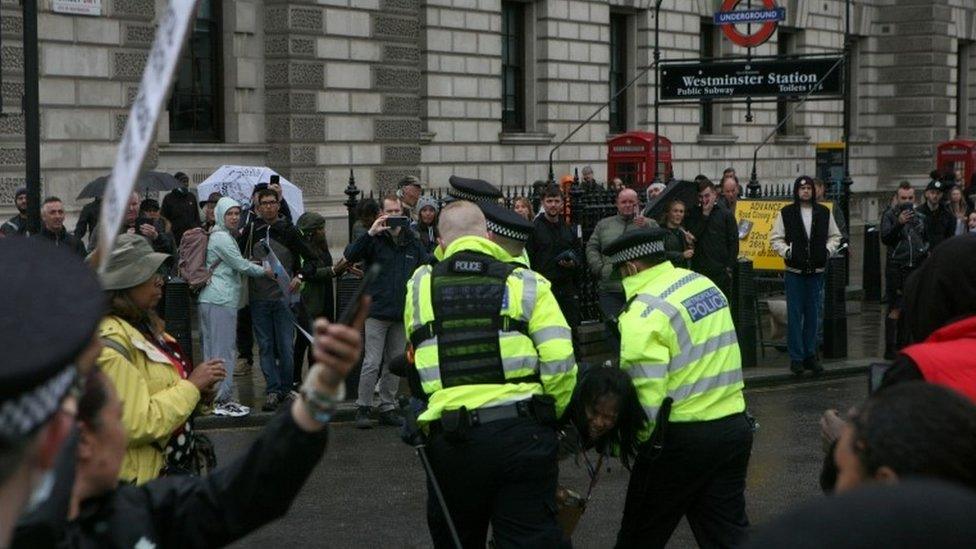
{"points": [[786, 46], [853, 87], [618, 72], [708, 49], [513, 66], [964, 83], [195, 107]]}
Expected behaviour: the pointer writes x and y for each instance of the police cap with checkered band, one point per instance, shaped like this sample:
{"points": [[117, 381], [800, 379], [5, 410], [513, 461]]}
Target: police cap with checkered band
{"points": [[504, 222], [52, 303], [474, 190], [639, 244]]}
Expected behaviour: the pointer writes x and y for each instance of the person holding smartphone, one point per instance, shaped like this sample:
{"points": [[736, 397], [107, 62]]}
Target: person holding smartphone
{"points": [[390, 243], [903, 231]]}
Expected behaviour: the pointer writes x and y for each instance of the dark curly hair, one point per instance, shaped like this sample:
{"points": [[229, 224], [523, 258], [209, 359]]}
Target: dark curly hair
{"points": [[599, 382], [918, 429]]}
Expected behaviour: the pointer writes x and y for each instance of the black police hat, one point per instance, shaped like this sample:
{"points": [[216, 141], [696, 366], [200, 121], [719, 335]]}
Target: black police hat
{"points": [[475, 190], [935, 185], [52, 305], [505, 222], [640, 244]]}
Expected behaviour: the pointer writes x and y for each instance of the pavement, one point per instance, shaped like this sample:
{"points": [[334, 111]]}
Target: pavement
{"points": [[865, 346], [369, 488]]}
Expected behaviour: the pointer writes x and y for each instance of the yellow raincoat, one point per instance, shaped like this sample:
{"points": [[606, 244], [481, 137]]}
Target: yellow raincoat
{"points": [[155, 399]]}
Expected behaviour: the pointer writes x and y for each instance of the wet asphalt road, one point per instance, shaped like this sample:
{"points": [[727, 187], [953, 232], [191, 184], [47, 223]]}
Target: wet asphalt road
{"points": [[369, 489]]}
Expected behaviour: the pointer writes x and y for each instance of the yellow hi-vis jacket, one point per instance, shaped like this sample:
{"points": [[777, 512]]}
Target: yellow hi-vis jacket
{"points": [[548, 350], [678, 340]]}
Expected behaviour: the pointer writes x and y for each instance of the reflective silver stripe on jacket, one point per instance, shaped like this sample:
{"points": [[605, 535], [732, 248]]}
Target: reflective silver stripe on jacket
{"points": [[418, 282], [674, 317], [707, 384], [528, 293], [554, 367], [551, 333], [518, 363], [647, 370], [696, 352], [429, 374], [687, 279]]}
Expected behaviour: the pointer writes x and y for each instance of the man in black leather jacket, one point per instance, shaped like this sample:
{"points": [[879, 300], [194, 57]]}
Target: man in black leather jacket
{"points": [[903, 232]]}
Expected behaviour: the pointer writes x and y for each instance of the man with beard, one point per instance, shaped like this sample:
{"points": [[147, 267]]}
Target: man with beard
{"points": [[17, 225], [804, 235]]}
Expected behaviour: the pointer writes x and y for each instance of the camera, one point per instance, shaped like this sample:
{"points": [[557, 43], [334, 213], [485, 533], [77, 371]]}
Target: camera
{"points": [[397, 221]]}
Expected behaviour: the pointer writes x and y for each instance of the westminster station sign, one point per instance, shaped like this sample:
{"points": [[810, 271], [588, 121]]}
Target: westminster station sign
{"points": [[755, 78]]}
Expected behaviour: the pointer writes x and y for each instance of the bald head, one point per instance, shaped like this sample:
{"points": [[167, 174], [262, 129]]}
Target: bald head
{"points": [[460, 218], [627, 203]]}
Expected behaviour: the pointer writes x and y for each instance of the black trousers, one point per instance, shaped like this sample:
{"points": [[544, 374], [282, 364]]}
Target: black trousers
{"points": [[701, 474], [505, 474], [568, 301]]}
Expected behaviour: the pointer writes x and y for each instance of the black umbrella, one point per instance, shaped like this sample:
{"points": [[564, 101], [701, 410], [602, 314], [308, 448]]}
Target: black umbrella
{"points": [[147, 182]]}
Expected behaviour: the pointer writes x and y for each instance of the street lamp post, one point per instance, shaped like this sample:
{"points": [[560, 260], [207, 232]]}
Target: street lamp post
{"points": [[848, 73], [657, 86], [32, 118]]}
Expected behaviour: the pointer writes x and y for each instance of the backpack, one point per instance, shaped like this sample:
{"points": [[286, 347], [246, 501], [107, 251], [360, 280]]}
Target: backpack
{"points": [[193, 258]]}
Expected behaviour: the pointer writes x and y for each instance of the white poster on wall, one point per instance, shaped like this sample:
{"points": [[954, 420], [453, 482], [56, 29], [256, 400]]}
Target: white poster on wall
{"points": [[140, 128], [77, 7]]}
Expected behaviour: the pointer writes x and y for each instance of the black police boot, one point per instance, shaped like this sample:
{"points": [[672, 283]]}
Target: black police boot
{"points": [[796, 367]]}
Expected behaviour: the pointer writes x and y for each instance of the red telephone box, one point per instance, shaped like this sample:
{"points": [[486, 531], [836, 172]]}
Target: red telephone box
{"points": [[630, 157], [957, 155]]}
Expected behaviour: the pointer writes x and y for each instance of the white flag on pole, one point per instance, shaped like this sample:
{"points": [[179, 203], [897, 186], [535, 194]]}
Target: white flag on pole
{"points": [[141, 125]]}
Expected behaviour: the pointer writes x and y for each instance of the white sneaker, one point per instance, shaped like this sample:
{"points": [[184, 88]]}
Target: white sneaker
{"points": [[231, 409]]}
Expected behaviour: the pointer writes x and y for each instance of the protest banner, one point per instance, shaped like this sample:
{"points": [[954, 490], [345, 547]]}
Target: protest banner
{"points": [[140, 128], [756, 218]]}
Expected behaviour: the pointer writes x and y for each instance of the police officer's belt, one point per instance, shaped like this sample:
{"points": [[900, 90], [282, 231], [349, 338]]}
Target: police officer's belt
{"points": [[539, 407]]}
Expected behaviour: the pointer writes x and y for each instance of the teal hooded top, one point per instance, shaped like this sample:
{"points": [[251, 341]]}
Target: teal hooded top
{"points": [[224, 288]]}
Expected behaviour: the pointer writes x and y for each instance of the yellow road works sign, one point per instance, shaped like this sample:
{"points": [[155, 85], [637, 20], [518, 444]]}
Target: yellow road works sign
{"points": [[756, 218]]}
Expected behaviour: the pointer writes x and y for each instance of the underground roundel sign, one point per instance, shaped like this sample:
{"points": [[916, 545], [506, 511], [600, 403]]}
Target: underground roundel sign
{"points": [[764, 22]]}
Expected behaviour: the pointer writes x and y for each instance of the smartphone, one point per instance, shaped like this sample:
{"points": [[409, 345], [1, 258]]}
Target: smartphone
{"points": [[140, 221], [398, 221], [906, 207], [352, 308], [876, 372], [275, 180]]}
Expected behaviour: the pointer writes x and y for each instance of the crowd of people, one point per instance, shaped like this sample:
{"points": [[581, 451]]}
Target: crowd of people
{"points": [[480, 302]]}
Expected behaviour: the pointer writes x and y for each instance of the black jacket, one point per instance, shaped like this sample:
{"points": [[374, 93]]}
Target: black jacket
{"points": [[808, 254], [716, 240], [907, 245], [180, 208], [15, 226], [940, 224], [547, 242], [64, 239], [398, 258], [88, 219], [304, 260], [212, 511]]}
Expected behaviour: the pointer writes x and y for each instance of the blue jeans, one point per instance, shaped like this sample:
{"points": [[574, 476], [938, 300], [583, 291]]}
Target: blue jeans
{"points": [[273, 328], [804, 294]]}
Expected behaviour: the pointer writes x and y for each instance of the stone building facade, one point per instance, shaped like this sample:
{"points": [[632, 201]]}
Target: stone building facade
{"points": [[387, 88]]}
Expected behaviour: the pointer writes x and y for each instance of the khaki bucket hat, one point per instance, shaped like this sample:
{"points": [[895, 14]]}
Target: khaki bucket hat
{"points": [[132, 262]]}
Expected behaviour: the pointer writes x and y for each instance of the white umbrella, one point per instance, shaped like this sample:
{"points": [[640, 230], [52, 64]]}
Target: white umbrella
{"points": [[238, 183]]}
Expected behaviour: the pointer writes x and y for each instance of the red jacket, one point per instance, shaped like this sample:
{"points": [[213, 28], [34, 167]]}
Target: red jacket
{"points": [[948, 357]]}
